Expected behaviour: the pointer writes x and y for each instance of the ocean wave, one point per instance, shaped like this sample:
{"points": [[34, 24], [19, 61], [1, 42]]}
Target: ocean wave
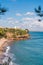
{"points": [[9, 57]]}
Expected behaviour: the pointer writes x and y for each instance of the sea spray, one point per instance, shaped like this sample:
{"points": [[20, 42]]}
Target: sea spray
{"points": [[8, 59], [11, 63], [7, 51]]}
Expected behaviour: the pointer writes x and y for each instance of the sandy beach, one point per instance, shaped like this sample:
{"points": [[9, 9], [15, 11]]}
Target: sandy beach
{"points": [[2, 48], [2, 41], [3, 44]]}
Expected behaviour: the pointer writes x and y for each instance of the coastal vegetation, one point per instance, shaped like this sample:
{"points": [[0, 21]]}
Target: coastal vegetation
{"points": [[12, 33]]}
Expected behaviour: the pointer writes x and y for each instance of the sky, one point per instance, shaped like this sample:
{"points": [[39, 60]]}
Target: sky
{"points": [[21, 14]]}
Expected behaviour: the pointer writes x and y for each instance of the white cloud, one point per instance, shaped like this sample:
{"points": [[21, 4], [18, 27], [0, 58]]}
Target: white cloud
{"points": [[27, 19], [29, 13], [27, 22], [10, 18], [33, 24], [18, 14]]}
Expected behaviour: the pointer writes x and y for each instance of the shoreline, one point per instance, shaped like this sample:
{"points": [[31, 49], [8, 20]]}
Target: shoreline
{"points": [[4, 42], [7, 42], [3, 45]]}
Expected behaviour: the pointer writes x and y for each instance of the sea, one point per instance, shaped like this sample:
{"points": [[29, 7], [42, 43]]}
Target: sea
{"points": [[28, 52]]}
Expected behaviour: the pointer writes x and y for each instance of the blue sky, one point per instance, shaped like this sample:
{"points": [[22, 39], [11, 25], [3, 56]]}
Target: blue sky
{"points": [[21, 14]]}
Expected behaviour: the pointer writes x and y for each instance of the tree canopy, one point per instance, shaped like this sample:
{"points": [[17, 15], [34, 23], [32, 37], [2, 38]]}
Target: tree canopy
{"points": [[2, 10], [39, 12]]}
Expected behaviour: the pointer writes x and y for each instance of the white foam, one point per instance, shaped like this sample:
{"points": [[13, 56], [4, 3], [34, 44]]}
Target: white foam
{"points": [[11, 63], [8, 48], [5, 59], [7, 55]]}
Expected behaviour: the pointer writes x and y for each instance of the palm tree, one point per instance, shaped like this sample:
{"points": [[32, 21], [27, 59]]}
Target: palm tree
{"points": [[39, 12], [2, 10]]}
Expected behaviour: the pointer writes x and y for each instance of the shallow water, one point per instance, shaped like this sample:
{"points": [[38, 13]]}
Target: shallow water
{"points": [[28, 52]]}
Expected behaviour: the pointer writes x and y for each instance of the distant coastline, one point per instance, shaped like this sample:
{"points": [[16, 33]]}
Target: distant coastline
{"points": [[14, 33]]}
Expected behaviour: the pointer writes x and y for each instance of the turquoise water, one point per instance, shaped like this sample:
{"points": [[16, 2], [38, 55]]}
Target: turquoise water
{"points": [[29, 52]]}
